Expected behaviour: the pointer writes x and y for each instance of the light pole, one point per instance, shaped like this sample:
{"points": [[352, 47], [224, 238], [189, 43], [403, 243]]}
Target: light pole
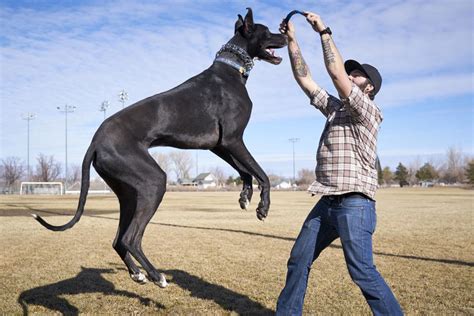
{"points": [[197, 163], [66, 109], [293, 141], [123, 96], [103, 107], [28, 117]]}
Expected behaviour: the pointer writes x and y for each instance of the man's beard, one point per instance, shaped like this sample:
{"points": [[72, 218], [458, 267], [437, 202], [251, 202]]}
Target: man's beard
{"points": [[364, 85]]}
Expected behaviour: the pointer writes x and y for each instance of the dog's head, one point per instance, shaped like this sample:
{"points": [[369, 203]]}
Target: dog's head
{"points": [[261, 43]]}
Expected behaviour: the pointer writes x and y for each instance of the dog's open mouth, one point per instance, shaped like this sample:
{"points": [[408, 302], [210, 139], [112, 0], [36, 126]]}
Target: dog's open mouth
{"points": [[270, 55]]}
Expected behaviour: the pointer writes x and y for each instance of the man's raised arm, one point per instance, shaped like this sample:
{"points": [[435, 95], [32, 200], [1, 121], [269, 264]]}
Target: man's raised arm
{"points": [[298, 65], [332, 57]]}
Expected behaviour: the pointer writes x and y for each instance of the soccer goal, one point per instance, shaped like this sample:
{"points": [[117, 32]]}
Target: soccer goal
{"points": [[53, 188]]}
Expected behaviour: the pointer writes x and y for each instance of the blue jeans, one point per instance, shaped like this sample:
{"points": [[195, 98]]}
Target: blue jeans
{"points": [[353, 219]]}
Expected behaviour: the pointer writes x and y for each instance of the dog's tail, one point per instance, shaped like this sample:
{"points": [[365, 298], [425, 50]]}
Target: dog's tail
{"points": [[86, 166]]}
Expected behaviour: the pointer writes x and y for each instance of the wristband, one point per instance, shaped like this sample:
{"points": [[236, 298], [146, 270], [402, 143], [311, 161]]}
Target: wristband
{"points": [[326, 31]]}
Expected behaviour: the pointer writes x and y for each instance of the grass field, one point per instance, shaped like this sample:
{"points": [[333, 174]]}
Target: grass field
{"points": [[222, 260]]}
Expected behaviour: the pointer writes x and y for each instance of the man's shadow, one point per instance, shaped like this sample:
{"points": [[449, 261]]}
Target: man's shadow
{"points": [[87, 281]]}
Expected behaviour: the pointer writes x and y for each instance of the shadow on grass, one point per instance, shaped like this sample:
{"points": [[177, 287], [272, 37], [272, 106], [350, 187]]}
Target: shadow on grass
{"points": [[87, 281], [227, 299]]}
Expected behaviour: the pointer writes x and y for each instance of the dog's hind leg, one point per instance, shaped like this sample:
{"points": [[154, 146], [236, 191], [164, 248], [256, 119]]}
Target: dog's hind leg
{"points": [[132, 239], [127, 209], [247, 189], [128, 205], [150, 185], [139, 184]]}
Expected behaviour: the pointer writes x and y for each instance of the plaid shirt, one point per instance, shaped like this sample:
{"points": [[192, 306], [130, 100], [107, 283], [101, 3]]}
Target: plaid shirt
{"points": [[347, 150]]}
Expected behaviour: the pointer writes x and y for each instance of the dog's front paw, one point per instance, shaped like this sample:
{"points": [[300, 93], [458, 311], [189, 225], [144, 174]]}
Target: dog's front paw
{"points": [[245, 197], [244, 203], [262, 211]]}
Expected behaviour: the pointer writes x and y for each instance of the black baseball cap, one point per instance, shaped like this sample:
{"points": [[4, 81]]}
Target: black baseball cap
{"points": [[368, 70]]}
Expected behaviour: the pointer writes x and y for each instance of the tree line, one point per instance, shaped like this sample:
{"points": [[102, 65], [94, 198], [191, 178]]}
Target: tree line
{"points": [[13, 170], [456, 168]]}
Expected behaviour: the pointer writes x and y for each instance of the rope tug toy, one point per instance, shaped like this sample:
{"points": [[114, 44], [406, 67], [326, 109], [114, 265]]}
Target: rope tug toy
{"points": [[288, 17]]}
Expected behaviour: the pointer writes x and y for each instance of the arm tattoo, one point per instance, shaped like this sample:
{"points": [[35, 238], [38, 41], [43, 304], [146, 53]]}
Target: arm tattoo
{"points": [[300, 68], [328, 53]]}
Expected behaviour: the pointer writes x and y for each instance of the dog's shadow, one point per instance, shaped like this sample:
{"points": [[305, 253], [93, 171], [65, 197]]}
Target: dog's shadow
{"points": [[92, 281], [226, 298], [87, 281]]}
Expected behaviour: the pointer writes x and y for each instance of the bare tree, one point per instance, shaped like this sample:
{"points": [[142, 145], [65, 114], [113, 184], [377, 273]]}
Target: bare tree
{"points": [[305, 177], [453, 170], [47, 169], [74, 174], [413, 167], [163, 161], [274, 179], [220, 175], [12, 171], [182, 163]]}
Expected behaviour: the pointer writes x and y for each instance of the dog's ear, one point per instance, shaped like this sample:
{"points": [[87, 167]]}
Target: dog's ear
{"points": [[238, 24], [245, 25], [248, 21]]}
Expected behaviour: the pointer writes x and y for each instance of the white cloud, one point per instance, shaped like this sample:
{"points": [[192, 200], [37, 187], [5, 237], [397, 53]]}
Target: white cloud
{"points": [[411, 91], [85, 54]]}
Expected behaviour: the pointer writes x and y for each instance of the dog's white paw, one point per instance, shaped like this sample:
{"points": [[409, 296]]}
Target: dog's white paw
{"points": [[244, 204], [139, 278], [162, 282]]}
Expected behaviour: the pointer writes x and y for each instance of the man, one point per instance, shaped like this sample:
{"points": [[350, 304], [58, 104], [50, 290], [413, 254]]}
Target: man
{"points": [[345, 175]]}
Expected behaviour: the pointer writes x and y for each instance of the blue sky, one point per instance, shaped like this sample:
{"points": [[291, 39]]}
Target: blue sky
{"points": [[83, 52]]}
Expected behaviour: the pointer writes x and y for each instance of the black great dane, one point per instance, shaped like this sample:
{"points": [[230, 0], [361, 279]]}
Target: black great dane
{"points": [[209, 111]]}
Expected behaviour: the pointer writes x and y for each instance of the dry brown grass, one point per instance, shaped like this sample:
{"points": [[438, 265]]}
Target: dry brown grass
{"points": [[221, 260]]}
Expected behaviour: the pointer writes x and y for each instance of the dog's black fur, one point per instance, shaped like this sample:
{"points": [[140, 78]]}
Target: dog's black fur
{"points": [[209, 111]]}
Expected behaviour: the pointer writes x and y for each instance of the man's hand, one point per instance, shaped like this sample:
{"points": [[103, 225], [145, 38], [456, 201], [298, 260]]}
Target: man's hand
{"points": [[315, 21], [287, 29]]}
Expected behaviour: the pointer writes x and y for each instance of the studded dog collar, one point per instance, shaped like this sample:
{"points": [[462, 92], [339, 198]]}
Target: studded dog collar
{"points": [[244, 68]]}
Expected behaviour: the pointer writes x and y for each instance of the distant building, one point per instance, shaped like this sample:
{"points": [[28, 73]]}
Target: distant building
{"points": [[205, 180], [283, 185], [426, 184], [186, 182]]}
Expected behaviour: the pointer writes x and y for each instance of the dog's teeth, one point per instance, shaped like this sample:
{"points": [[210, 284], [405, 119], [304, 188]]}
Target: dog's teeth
{"points": [[270, 51]]}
